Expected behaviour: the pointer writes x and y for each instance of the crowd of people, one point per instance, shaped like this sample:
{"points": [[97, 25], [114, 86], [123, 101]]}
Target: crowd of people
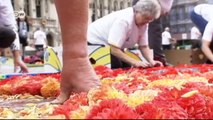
{"points": [[139, 24]]}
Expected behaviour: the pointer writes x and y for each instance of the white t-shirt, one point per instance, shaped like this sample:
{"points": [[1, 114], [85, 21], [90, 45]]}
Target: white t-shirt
{"points": [[7, 17], [118, 29], [40, 37], [205, 10], [195, 33], [166, 36]]}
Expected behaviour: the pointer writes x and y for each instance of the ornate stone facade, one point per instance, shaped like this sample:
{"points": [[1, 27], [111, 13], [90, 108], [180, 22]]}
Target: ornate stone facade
{"points": [[179, 17], [42, 13], [100, 8]]}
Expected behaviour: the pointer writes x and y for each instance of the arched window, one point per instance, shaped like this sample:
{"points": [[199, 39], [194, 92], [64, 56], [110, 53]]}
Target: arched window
{"points": [[121, 5], [94, 11], [115, 5], [38, 8], [101, 4], [109, 6], [27, 7], [129, 4]]}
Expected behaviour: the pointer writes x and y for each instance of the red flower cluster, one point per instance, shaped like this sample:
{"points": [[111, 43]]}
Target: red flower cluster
{"points": [[112, 109], [176, 94], [25, 84], [71, 104], [130, 86]]}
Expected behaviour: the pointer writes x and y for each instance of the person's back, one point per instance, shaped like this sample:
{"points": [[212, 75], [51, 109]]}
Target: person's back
{"points": [[166, 36], [39, 37], [40, 40], [100, 28], [119, 26], [202, 17], [205, 10], [166, 39]]}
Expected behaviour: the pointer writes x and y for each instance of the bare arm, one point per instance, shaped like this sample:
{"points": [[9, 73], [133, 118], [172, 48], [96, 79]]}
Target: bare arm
{"points": [[122, 56], [206, 49], [146, 52]]}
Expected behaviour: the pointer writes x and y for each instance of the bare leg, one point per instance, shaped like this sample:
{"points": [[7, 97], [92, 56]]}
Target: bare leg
{"points": [[18, 62], [77, 73]]}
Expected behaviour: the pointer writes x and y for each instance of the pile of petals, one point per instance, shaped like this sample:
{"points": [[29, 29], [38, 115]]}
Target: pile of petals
{"points": [[180, 92]]}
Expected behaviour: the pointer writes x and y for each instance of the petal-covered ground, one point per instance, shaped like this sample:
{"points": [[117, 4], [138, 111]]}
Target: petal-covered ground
{"points": [[181, 92]]}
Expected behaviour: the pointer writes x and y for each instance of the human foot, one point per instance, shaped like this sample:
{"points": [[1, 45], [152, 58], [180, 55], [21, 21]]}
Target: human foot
{"points": [[79, 77], [61, 98]]}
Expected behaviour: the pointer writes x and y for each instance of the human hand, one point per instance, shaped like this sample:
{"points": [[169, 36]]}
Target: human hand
{"points": [[156, 63], [142, 64]]}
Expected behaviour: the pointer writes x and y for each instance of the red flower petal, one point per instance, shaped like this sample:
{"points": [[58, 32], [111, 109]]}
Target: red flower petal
{"points": [[112, 109]]}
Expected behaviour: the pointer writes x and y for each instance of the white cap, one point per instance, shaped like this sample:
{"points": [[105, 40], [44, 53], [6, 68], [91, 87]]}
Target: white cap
{"points": [[166, 6]]}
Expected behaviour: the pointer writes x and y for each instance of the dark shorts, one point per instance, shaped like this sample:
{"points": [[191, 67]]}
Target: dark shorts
{"points": [[199, 21], [39, 47], [167, 47], [7, 36], [117, 63]]}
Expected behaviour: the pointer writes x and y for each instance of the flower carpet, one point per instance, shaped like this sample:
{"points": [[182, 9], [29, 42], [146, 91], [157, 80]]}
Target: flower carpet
{"points": [[180, 92]]}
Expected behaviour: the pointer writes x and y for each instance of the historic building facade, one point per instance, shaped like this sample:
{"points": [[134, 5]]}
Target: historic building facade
{"points": [[179, 17], [42, 13], [100, 8]]}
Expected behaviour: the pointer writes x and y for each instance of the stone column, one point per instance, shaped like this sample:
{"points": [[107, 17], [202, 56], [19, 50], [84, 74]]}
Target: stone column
{"points": [[43, 8]]}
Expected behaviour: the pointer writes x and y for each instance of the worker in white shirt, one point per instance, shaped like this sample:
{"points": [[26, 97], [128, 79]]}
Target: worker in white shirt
{"points": [[166, 39], [202, 17], [40, 40], [155, 30], [125, 28], [195, 37]]}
